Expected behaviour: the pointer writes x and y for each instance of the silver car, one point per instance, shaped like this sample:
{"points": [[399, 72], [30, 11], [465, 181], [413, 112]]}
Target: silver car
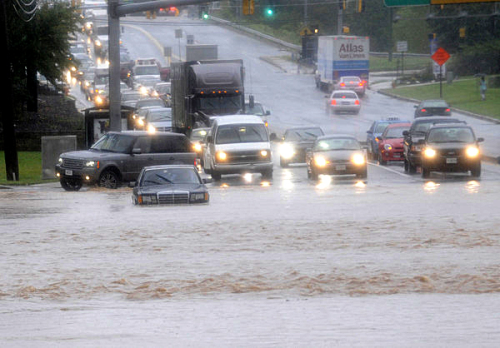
{"points": [[343, 101]]}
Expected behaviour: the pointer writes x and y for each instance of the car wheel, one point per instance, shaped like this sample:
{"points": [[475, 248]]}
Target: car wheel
{"points": [[314, 175], [412, 169], [268, 174], [283, 163], [476, 171], [362, 175], [109, 179], [426, 173], [381, 161], [216, 176], [71, 184]]}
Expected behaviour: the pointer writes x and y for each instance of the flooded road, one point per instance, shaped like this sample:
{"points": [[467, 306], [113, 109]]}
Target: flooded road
{"points": [[288, 262]]}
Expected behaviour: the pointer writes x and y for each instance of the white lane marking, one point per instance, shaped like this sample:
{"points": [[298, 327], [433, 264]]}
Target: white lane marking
{"points": [[150, 37], [392, 170]]}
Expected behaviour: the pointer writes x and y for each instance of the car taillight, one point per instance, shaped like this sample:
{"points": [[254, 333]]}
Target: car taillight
{"points": [[423, 110], [447, 110], [356, 102], [195, 163], [342, 84], [333, 102], [361, 84]]}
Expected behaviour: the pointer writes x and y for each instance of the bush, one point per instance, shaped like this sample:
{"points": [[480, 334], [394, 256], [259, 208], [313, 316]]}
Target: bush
{"points": [[481, 58]]}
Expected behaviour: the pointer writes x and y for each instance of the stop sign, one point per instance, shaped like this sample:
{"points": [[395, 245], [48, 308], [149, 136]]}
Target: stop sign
{"points": [[440, 56]]}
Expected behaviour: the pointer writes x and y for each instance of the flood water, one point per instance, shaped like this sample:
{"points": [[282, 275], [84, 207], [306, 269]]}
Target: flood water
{"points": [[264, 264]]}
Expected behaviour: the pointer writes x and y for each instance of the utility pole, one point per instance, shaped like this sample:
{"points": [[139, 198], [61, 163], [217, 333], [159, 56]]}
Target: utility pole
{"points": [[305, 13], [390, 34], [115, 118], [340, 24], [7, 108]]}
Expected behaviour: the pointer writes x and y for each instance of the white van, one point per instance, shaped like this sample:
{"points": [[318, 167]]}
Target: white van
{"points": [[238, 144]]}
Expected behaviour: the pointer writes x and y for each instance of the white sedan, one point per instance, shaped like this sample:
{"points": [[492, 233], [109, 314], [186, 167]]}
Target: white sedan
{"points": [[344, 101]]}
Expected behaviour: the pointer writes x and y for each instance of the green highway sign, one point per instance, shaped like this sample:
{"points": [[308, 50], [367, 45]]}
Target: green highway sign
{"points": [[392, 3]]}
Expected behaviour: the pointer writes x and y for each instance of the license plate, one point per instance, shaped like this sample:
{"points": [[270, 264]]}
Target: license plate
{"points": [[340, 167], [397, 155], [346, 103], [451, 160], [68, 172]]}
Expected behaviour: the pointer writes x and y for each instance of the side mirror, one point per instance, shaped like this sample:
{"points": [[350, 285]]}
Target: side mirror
{"points": [[415, 106], [132, 184], [480, 140], [379, 138], [210, 139], [273, 137], [136, 151], [406, 133], [268, 112], [369, 132], [421, 142], [207, 180]]}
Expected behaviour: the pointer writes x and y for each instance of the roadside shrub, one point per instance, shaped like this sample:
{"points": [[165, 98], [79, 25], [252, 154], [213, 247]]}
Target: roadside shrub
{"points": [[482, 58]]}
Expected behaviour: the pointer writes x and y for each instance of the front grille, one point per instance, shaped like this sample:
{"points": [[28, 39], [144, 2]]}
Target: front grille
{"points": [[246, 157], [71, 163], [340, 161], [175, 197], [451, 152]]}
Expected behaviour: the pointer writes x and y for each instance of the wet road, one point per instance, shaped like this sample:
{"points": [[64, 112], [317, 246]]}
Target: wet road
{"points": [[393, 261]]}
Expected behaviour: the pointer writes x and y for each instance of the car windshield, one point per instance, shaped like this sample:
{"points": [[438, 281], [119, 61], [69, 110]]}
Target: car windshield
{"points": [[160, 115], [131, 96], [163, 89], [344, 95], [257, 109], [434, 104], [423, 127], [170, 176], [149, 102], [114, 143], [198, 134], [394, 133], [303, 134], [334, 144], [147, 70], [237, 133], [224, 106], [380, 128], [450, 135]]}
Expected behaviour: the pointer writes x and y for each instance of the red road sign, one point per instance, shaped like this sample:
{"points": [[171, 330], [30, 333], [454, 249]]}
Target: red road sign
{"points": [[440, 56]]}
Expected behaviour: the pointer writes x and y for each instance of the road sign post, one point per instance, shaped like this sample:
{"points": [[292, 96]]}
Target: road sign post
{"points": [[440, 57]]}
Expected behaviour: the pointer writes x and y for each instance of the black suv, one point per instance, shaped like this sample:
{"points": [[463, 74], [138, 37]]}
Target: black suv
{"points": [[417, 131], [120, 156], [451, 148]]}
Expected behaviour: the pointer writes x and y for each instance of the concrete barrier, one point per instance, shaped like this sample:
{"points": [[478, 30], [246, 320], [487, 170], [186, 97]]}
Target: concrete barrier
{"points": [[52, 147]]}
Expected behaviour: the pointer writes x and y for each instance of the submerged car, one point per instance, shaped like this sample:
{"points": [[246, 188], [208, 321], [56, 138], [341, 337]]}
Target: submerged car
{"points": [[336, 155], [295, 142], [343, 101], [169, 184], [390, 143], [433, 107], [451, 148]]}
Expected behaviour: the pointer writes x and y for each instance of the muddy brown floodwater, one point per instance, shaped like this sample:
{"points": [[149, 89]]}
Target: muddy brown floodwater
{"points": [[376, 255]]}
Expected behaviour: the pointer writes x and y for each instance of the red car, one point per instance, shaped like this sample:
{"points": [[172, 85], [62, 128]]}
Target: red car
{"points": [[390, 143]]}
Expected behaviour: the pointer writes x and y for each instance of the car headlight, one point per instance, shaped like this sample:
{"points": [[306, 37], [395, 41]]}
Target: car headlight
{"points": [[358, 159], [143, 90], [416, 148], [98, 100], [472, 151], [197, 147], [320, 161], [147, 199], [429, 153], [264, 153], [151, 128], [98, 43], [221, 155], [61, 161], [90, 164], [73, 68], [388, 147], [140, 122], [199, 197], [287, 151]]}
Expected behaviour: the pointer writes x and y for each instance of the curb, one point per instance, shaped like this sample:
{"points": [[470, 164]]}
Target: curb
{"points": [[273, 63]]}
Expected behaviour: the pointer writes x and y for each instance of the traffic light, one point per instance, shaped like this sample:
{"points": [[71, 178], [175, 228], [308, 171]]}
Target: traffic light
{"points": [[269, 11], [248, 7], [204, 12], [461, 32], [205, 15], [315, 29], [342, 4], [346, 29]]}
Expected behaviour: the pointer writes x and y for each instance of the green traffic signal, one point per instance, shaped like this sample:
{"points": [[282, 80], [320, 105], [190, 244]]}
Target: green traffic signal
{"points": [[205, 15], [269, 12]]}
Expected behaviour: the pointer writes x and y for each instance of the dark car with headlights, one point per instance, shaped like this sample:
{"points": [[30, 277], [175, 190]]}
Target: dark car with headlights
{"points": [[433, 107], [169, 184], [411, 147], [336, 155], [120, 156], [451, 148], [295, 143]]}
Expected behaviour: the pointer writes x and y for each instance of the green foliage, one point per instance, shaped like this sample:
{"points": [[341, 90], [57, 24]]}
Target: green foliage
{"points": [[30, 169], [481, 58]]}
